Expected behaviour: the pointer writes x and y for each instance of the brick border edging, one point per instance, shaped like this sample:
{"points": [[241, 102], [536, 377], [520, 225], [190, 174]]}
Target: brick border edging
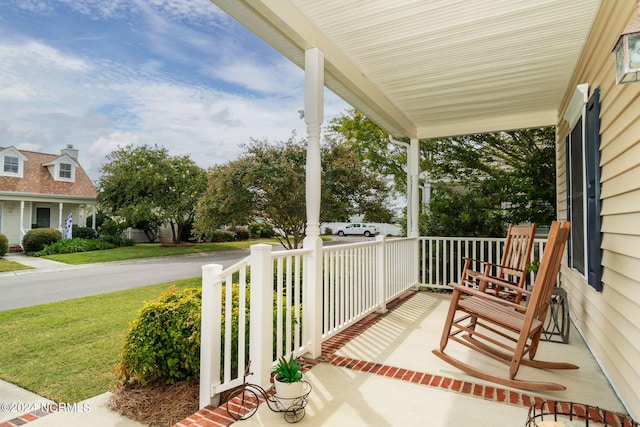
{"points": [[24, 419], [218, 417]]}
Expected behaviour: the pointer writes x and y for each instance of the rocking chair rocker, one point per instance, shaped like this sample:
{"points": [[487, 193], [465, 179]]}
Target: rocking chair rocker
{"points": [[504, 330]]}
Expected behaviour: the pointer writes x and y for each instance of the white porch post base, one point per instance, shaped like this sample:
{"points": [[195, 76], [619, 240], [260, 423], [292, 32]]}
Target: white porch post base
{"points": [[210, 335], [261, 312]]}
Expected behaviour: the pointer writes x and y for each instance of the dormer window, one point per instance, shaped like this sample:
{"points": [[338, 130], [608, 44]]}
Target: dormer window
{"points": [[62, 168], [65, 170], [12, 162]]}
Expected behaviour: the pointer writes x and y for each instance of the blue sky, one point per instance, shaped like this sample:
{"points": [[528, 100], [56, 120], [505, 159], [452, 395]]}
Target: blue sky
{"points": [[100, 74]]}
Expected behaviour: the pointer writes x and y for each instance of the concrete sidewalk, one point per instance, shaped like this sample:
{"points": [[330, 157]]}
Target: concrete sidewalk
{"points": [[37, 263], [19, 406]]}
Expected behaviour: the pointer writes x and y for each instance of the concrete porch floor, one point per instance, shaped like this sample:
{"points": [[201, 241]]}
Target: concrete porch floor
{"points": [[381, 372]]}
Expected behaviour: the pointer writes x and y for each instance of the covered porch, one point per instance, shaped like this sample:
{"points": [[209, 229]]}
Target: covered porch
{"points": [[381, 372], [432, 69], [381, 311]]}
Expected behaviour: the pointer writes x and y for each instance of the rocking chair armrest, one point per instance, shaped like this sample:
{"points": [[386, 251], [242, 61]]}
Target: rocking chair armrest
{"points": [[481, 281], [488, 266], [503, 283], [483, 295]]}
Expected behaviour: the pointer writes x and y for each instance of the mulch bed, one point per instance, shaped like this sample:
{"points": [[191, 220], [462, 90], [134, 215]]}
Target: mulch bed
{"points": [[157, 405]]}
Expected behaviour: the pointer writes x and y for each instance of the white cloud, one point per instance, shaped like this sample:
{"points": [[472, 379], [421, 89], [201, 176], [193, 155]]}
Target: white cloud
{"points": [[34, 53], [106, 144], [51, 96], [280, 77]]}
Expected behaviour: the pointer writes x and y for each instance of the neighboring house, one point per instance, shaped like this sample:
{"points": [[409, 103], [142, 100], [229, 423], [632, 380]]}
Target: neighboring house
{"points": [[432, 68], [41, 190]]}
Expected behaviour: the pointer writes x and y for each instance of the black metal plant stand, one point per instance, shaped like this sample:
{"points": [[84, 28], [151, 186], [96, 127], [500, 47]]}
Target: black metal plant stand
{"points": [[575, 414], [243, 401], [557, 325]]}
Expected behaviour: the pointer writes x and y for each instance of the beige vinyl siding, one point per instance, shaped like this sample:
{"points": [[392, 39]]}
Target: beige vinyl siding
{"points": [[10, 222], [610, 320]]}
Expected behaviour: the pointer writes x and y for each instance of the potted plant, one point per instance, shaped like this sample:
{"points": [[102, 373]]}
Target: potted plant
{"points": [[287, 379]]}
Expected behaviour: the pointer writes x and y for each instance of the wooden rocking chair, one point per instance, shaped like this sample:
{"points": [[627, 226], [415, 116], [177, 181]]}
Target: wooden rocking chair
{"points": [[503, 330], [512, 268]]}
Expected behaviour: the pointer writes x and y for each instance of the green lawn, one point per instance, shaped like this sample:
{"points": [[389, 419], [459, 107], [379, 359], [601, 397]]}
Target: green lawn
{"points": [[6, 265], [148, 250], [66, 351]]}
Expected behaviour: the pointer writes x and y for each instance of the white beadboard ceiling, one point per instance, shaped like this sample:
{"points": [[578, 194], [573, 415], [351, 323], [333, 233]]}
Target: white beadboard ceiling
{"points": [[428, 68]]}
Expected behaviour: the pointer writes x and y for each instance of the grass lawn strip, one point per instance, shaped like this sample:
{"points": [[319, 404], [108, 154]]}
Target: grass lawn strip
{"points": [[66, 351], [149, 250], [6, 265]]}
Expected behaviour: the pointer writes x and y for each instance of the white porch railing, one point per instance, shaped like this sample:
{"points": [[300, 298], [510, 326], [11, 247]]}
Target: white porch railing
{"points": [[357, 280], [442, 258], [360, 278]]}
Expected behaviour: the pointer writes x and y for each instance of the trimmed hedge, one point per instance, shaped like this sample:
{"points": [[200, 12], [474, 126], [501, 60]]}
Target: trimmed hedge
{"points": [[4, 245], [37, 239]]}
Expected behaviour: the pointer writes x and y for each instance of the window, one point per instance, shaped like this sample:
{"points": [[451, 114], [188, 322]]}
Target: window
{"points": [[65, 170], [583, 185], [43, 217], [11, 164]]}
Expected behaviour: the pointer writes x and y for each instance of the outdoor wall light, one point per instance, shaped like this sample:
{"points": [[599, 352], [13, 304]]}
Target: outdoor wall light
{"points": [[627, 51]]}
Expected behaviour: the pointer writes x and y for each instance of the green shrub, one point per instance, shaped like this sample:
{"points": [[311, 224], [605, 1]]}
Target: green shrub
{"points": [[328, 231], [263, 230], [267, 232], [4, 245], [114, 240], [38, 238], [128, 242], [83, 233], [241, 233], [111, 231], [70, 246], [254, 229], [220, 236], [163, 342]]}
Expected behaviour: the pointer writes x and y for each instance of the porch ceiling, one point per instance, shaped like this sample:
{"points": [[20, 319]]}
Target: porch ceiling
{"points": [[434, 67]]}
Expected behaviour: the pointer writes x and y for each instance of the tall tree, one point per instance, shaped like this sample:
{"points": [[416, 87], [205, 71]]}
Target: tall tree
{"points": [[511, 173], [370, 144], [148, 187], [267, 183]]}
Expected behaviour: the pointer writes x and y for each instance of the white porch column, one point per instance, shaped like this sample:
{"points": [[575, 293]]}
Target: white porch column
{"points": [[408, 195], [60, 206], [22, 232], [93, 216], [414, 155], [313, 116]]}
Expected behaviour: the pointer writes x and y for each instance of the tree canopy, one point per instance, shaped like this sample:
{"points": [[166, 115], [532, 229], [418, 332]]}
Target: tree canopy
{"points": [[492, 179], [146, 188], [267, 184]]}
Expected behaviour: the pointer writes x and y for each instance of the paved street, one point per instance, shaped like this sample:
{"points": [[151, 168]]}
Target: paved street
{"points": [[53, 281], [31, 287]]}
